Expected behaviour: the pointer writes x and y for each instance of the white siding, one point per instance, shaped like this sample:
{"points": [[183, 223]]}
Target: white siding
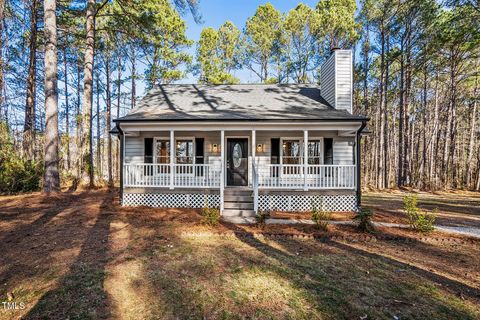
{"points": [[344, 80], [336, 80], [342, 151], [134, 149]]}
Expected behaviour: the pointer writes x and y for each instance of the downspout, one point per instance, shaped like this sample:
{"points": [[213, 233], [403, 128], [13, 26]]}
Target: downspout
{"points": [[359, 164], [122, 141]]}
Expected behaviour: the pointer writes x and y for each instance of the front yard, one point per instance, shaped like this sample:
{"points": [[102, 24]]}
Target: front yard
{"points": [[80, 256]]}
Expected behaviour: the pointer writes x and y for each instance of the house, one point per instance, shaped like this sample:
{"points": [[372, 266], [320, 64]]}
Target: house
{"points": [[244, 148]]}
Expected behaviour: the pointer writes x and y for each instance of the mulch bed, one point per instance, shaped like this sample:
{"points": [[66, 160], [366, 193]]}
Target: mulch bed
{"points": [[334, 237]]}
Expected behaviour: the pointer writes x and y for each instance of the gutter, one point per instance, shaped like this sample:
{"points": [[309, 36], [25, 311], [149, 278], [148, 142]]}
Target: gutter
{"points": [[121, 136], [243, 120], [359, 164]]}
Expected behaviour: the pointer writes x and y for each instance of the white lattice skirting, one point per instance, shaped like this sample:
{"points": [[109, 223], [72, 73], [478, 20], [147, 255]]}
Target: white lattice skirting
{"points": [[171, 200], [334, 203]]}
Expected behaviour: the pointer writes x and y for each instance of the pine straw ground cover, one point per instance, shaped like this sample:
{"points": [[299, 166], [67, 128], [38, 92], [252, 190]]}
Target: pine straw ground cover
{"points": [[456, 208], [80, 256]]}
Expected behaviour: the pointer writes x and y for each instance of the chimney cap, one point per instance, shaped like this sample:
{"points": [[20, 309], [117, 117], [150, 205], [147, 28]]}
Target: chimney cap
{"points": [[332, 50]]}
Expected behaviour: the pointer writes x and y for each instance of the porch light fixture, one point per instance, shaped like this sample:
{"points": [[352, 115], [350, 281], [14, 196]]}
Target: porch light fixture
{"points": [[215, 148], [259, 147]]}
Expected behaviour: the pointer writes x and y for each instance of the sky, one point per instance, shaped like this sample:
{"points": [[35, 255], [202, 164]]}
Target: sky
{"points": [[216, 12]]}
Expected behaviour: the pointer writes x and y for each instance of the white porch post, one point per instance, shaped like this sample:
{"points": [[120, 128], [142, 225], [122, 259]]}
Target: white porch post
{"points": [[305, 159], [172, 157], [254, 146], [222, 170]]}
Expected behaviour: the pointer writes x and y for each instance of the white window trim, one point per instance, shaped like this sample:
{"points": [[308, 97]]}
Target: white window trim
{"points": [[300, 139], [321, 148], [193, 147], [155, 139]]}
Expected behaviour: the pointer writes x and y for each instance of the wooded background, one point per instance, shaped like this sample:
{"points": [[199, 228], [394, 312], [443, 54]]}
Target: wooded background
{"points": [[67, 68]]}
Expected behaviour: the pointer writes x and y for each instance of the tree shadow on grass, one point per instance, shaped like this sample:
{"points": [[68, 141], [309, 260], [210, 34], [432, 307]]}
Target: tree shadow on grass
{"points": [[80, 293], [338, 283], [450, 285]]}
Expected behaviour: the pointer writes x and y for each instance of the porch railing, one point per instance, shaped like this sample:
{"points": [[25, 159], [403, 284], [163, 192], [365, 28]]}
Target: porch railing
{"points": [[270, 176], [292, 176], [184, 175]]}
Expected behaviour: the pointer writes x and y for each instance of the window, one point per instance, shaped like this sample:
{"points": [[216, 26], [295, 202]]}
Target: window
{"points": [[184, 150], [162, 151], [314, 151], [291, 152]]}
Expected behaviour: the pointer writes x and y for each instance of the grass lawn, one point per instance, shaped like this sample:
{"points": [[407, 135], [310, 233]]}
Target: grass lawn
{"points": [[81, 256]]}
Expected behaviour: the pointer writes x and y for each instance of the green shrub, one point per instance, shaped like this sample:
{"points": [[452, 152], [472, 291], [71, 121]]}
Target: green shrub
{"points": [[321, 218], [262, 216], [364, 219], [418, 220], [210, 216], [16, 174]]}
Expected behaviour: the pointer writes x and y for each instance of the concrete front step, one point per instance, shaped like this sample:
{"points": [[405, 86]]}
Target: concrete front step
{"points": [[238, 213], [238, 202], [233, 198], [238, 205], [237, 192]]}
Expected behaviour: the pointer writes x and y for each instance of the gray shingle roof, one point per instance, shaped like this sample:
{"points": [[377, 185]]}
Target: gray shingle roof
{"points": [[193, 102]]}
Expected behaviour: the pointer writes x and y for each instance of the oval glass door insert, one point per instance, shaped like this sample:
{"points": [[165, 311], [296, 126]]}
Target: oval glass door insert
{"points": [[237, 155]]}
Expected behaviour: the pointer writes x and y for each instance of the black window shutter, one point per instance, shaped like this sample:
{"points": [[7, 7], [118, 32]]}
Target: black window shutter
{"points": [[148, 156], [199, 150], [328, 151], [275, 152], [199, 155], [275, 155]]}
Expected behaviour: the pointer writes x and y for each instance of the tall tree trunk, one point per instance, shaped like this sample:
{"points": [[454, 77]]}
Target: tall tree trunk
{"points": [[153, 76], [51, 176], [67, 110], [119, 83], [86, 139], [2, 67], [134, 75], [29, 126], [385, 117], [471, 144], [109, 108], [366, 111], [423, 170], [406, 173], [449, 172], [401, 110], [381, 101], [99, 155], [78, 121], [435, 139], [119, 95]]}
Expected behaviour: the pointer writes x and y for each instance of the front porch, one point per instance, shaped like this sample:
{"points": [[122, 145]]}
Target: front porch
{"points": [[269, 176], [272, 169]]}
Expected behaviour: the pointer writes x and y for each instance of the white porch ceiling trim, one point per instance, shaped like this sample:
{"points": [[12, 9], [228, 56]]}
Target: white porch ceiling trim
{"points": [[240, 126]]}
